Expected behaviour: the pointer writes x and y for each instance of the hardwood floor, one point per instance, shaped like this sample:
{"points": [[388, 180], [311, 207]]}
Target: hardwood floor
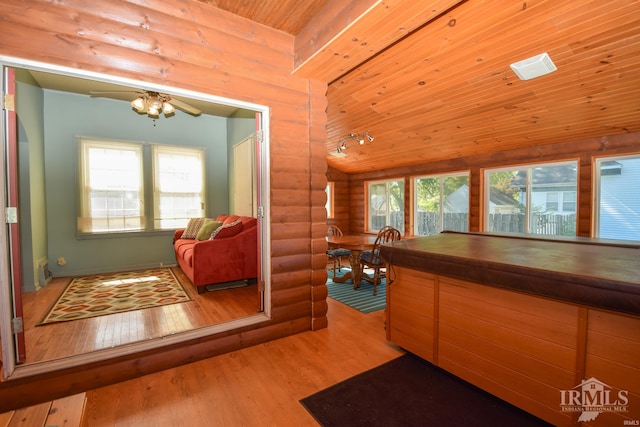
{"points": [[256, 386], [59, 340]]}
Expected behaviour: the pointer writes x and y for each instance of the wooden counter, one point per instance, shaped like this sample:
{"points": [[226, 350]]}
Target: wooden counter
{"points": [[526, 319]]}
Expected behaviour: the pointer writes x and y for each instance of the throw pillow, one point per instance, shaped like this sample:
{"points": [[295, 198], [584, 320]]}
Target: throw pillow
{"points": [[192, 228], [227, 230], [207, 228]]}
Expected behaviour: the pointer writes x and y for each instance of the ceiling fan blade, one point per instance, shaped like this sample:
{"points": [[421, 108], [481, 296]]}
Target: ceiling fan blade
{"points": [[185, 107]]}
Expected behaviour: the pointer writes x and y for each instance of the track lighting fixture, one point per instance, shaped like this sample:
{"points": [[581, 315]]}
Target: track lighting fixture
{"points": [[361, 138]]}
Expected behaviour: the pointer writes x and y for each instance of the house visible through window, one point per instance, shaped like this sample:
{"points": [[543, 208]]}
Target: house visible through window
{"points": [[113, 197], [536, 199], [385, 205], [440, 203]]}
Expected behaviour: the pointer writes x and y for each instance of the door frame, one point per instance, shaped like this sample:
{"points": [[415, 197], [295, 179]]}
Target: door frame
{"points": [[9, 368]]}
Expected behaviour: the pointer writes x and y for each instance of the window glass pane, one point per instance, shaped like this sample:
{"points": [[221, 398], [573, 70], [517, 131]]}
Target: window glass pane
{"points": [[506, 202], [112, 192], [386, 205], [179, 186], [329, 204], [530, 199], [618, 202], [427, 215], [455, 203]]}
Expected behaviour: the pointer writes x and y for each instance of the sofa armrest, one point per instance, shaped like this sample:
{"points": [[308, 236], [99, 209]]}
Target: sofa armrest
{"points": [[177, 234]]}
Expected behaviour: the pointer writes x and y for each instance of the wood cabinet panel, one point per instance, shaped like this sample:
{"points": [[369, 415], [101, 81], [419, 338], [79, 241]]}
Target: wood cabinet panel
{"points": [[521, 348], [613, 357], [410, 300]]}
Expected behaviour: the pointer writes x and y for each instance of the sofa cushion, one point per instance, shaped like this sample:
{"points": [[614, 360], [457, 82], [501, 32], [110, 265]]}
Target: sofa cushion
{"points": [[207, 228], [227, 230], [192, 228]]}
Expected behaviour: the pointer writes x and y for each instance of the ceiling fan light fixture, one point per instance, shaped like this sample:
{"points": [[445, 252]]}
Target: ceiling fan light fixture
{"points": [[138, 104], [167, 109], [153, 110]]}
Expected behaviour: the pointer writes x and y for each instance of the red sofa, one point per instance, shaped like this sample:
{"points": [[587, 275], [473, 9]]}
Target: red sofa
{"points": [[222, 259]]}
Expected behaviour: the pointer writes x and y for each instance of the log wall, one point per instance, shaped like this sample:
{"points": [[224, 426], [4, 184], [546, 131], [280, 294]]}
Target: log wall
{"points": [[193, 46]]}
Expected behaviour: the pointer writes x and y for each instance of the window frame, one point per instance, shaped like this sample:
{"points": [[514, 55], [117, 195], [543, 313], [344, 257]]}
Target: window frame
{"points": [[597, 189], [179, 222], [414, 198], [527, 203]]}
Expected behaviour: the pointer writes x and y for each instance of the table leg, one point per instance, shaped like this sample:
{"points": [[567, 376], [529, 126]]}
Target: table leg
{"points": [[354, 274], [354, 260]]}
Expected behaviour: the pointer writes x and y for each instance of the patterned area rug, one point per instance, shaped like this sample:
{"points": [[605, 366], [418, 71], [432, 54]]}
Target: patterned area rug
{"points": [[361, 299], [102, 294]]}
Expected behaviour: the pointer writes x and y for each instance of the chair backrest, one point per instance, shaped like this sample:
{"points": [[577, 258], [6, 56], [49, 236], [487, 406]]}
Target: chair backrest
{"points": [[385, 235], [334, 230]]}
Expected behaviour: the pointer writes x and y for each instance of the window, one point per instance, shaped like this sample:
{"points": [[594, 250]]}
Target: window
{"points": [[329, 204], [178, 186], [528, 199], [617, 204], [441, 203], [113, 196], [385, 205]]}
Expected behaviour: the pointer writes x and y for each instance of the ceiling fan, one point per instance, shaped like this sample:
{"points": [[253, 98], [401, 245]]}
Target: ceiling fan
{"points": [[153, 103]]}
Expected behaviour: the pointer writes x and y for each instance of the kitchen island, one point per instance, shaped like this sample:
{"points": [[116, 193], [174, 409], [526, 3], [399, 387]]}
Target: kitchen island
{"points": [[537, 322]]}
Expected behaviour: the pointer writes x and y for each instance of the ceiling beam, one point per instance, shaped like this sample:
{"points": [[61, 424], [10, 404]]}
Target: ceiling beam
{"points": [[342, 36]]}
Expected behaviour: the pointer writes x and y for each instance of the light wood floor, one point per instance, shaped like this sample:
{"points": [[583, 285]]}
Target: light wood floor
{"points": [[256, 386], [64, 339]]}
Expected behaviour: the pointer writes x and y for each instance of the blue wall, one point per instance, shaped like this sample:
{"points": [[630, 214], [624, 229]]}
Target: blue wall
{"points": [[68, 116]]}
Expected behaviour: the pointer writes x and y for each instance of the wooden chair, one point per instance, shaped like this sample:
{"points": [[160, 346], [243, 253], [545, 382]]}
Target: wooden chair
{"points": [[371, 259], [336, 254]]}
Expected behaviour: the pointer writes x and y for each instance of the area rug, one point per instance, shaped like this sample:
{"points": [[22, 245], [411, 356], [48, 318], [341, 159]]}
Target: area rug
{"points": [[361, 299], [102, 294], [409, 391]]}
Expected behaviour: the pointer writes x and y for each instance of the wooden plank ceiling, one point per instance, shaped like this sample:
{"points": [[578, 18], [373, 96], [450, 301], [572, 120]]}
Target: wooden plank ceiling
{"points": [[430, 80]]}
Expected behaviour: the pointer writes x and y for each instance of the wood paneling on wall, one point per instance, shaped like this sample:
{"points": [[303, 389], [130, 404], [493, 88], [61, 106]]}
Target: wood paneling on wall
{"points": [[193, 46], [583, 151]]}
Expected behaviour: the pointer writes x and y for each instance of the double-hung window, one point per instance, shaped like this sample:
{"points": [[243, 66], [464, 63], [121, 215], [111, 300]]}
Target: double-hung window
{"points": [[178, 192], [535, 199], [441, 202], [112, 189], [385, 204]]}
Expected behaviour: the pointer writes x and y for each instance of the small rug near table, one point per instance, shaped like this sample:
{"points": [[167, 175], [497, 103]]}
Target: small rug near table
{"points": [[102, 294], [409, 391], [361, 299]]}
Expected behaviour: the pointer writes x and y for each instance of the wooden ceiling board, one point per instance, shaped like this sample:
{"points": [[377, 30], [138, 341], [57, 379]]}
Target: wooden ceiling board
{"points": [[471, 102], [290, 16], [381, 26]]}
